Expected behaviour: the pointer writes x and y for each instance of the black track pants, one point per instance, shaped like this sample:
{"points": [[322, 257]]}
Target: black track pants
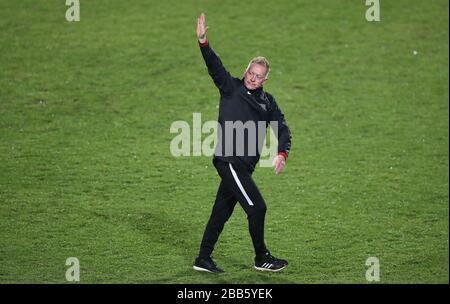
{"points": [[237, 185]]}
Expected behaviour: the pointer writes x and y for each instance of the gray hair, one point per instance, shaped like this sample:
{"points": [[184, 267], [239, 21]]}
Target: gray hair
{"points": [[262, 61]]}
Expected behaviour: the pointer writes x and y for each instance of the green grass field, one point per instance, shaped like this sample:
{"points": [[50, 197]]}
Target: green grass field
{"points": [[86, 169]]}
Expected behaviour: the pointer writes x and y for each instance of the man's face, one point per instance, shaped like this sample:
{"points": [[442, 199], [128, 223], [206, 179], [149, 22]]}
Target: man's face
{"points": [[255, 76]]}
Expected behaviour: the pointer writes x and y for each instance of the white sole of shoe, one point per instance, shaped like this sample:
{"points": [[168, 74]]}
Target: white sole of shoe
{"points": [[201, 269], [271, 270]]}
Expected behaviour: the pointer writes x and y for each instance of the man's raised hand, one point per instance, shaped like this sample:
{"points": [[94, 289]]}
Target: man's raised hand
{"points": [[201, 28]]}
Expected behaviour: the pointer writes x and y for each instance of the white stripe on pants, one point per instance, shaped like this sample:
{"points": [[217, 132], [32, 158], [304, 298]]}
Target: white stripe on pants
{"points": [[238, 182]]}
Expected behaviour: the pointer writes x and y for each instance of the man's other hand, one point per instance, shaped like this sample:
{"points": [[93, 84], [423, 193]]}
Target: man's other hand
{"points": [[279, 162]]}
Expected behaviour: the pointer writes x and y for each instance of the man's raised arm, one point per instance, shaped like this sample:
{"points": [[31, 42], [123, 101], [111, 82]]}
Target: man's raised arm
{"points": [[216, 70]]}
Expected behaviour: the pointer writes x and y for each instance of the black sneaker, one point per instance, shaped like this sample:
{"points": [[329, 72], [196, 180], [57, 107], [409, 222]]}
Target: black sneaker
{"points": [[267, 262], [206, 264]]}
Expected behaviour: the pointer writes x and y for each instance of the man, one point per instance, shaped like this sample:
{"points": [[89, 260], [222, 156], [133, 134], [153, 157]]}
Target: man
{"points": [[244, 103]]}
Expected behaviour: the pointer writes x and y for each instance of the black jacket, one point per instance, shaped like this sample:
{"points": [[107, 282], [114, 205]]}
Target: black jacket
{"points": [[242, 107]]}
